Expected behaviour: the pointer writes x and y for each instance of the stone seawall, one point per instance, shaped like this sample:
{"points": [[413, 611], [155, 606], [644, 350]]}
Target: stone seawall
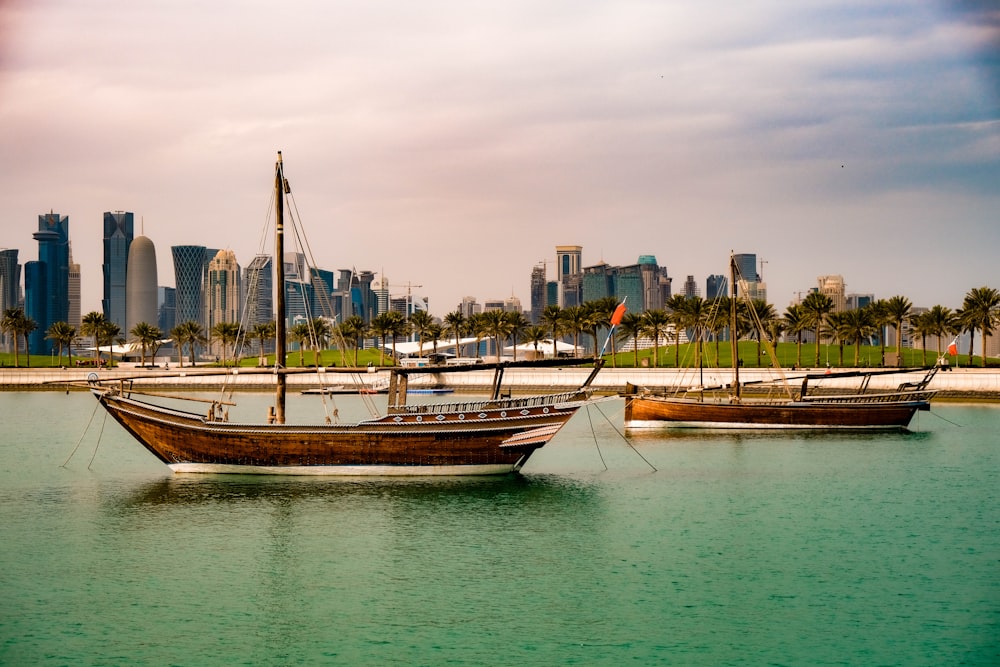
{"points": [[956, 383]]}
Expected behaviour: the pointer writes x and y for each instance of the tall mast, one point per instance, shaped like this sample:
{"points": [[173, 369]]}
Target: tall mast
{"points": [[280, 187], [733, 334]]}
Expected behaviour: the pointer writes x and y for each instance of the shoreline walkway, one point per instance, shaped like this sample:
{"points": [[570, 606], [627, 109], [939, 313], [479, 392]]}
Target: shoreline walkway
{"points": [[973, 383]]}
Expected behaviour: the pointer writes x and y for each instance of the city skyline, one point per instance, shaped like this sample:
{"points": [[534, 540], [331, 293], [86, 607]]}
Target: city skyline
{"points": [[454, 146]]}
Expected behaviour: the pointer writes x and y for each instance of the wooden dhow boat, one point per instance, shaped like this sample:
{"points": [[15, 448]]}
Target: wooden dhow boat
{"points": [[482, 437], [727, 406]]}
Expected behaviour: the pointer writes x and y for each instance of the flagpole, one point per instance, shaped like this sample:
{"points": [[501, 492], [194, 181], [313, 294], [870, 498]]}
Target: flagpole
{"points": [[616, 318]]}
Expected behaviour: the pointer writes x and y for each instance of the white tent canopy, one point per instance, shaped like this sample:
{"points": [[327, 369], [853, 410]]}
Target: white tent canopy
{"points": [[128, 348], [409, 349], [545, 347]]}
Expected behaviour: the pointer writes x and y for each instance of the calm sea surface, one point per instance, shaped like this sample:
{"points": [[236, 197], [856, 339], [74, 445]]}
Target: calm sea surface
{"points": [[738, 549]]}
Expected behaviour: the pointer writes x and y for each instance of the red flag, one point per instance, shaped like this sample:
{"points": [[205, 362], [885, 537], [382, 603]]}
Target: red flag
{"points": [[953, 348], [616, 319]]}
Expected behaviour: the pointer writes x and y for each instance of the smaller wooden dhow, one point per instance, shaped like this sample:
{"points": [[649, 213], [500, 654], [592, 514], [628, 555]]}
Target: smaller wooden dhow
{"points": [[729, 407], [724, 408], [496, 435]]}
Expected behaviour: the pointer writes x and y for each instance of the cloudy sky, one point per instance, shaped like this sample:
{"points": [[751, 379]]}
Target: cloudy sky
{"points": [[453, 144]]}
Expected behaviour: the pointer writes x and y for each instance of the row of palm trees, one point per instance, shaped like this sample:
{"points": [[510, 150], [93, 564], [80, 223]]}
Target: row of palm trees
{"points": [[702, 319]]}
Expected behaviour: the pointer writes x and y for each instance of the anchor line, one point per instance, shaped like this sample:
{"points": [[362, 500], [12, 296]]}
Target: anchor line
{"points": [[593, 433], [947, 420], [626, 439], [100, 436], [82, 435]]}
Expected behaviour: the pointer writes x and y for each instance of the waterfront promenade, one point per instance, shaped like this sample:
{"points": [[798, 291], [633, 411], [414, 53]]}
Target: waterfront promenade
{"points": [[971, 383]]}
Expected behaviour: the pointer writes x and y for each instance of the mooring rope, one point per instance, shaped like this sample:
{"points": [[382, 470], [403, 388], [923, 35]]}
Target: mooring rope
{"points": [[97, 405], [593, 432], [624, 437], [100, 436]]}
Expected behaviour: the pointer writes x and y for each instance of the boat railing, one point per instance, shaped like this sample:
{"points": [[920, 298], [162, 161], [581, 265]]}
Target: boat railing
{"points": [[888, 397], [498, 404]]}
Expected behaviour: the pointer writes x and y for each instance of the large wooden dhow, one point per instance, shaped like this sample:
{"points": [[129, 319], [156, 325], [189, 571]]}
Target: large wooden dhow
{"points": [[496, 435], [729, 406]]}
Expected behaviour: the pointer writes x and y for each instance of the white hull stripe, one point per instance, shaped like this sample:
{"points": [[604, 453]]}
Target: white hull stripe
{"points": [[348, 471]]}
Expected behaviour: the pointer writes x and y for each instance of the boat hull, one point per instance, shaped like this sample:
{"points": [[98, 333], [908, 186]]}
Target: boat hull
{"points": [[663, 412], [483, 441]]}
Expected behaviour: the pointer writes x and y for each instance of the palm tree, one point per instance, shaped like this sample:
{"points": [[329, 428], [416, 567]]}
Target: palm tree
{"points": [[837, 330], [227, 333], [695, 315], [654, 325], [535, 334], [775, 329], [262, 332], [12, 323], [796, 322], [719, 321], [478, 327], [109, 333], [898, 309], [381, 328], [674, 310], [320, 335], [882, 319], [63, 334], [300, 333], [981, 310], [398, 327], [631, 327], [575, 321], [454, 323], [552, 320], [764, 315], [353, 329], [920, 326], [599, 316], [190, 333], [496, 327], [25, 327], [420, 320], [816, 306], [858, 325], [90, 326], [434, 332], [146, 335], [941, 322], [516, 324]]}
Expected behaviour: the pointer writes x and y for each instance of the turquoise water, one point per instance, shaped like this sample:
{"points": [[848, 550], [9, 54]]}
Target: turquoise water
{"points": [[752, 549]]}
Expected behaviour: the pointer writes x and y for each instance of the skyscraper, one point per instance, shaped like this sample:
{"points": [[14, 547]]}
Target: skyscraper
{"points": [[189, 262], [74, 318], [834, 287], [259, 281], [46, 282], [117, 239], [746, 266], [140, 284], [166, 299], [223, 289], [569, 268], [716, 286], [691, 289], [653, 277], [10, 288], [537, 293]]}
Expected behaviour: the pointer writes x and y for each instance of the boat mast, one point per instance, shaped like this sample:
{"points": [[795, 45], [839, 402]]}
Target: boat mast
{"points": [[733, 337], [280, 188]]}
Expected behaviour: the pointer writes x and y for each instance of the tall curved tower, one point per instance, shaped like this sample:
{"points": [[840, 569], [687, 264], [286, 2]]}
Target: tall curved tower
{"points": [[140, 284]]}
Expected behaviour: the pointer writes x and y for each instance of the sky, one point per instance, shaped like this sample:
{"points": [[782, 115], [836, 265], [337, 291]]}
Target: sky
{"points": [[451, 145]]}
